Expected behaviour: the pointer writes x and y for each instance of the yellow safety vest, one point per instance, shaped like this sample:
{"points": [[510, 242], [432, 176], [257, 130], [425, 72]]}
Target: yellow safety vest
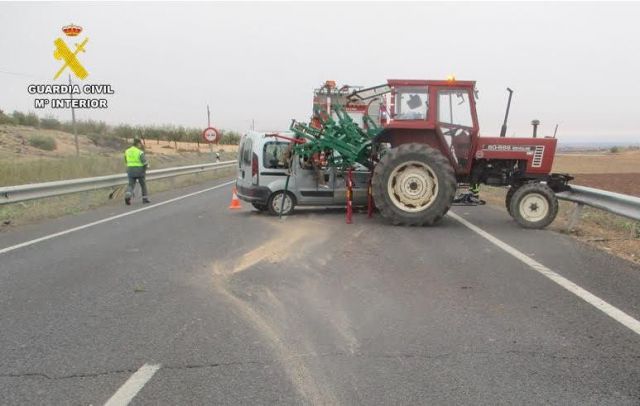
{"points": [[132, 156]]}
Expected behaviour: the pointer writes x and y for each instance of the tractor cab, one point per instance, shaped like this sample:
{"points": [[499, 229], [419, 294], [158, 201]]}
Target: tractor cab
{"points": [[443, 113]]}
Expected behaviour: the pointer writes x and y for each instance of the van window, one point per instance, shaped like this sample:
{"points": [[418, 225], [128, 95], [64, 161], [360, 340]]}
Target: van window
{"points": [[273, 156], [246, 152], [241, 151]]}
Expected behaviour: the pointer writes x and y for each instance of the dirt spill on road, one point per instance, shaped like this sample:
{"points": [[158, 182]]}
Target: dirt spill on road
{"points": [[290, 239], [293, 239]]}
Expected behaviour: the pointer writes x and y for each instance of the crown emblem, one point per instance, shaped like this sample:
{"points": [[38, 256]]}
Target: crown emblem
{"points": [[72, 30]]}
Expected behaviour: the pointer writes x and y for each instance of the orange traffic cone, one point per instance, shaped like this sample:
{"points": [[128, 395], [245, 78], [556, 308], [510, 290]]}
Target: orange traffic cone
{"points": [[235, 202]]}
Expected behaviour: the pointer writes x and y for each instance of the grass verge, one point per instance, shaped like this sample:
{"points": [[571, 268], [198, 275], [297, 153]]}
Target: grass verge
{"points": [[611, 233], [23, 171]]}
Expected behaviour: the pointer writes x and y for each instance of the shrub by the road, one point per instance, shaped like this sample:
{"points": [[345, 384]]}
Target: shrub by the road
{"points": [[6, 119], [42, 142], [50, 123], [107, 141]]}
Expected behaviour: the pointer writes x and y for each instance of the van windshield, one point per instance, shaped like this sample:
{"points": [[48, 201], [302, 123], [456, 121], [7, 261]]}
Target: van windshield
{"points": [[274, 155]]}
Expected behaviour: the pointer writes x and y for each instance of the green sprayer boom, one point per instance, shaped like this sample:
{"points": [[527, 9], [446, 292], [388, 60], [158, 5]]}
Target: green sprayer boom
{"points": [[343, 142]]}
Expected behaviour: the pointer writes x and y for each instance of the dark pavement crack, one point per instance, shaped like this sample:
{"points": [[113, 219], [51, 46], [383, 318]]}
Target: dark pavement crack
{"points": [[214, 365], [46, 376], [71, 376], [179, 367]]}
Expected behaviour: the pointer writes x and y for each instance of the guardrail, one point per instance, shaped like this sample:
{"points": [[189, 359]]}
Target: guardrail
{"points": [[21, 193], [616, 203]]}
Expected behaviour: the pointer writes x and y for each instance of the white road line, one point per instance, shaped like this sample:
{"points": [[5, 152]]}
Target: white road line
{"points": [[595, 301], [105, 220], [130, 389]]}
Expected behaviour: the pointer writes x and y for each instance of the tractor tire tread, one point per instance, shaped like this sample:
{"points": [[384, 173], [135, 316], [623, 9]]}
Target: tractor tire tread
{"points": [[446, 185], [534, 187]]}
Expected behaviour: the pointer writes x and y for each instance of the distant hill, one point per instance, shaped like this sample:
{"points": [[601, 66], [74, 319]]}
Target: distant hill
{"points": [[586, 146]]}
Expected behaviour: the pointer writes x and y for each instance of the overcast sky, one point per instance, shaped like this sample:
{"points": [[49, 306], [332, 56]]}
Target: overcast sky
{"points": [[576, 64]]}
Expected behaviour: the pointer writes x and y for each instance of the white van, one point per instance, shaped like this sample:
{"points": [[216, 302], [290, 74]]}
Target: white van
{"points": [[262, 174]]}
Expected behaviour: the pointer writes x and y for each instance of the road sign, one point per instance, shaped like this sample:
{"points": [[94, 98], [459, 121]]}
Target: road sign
{"points": [[210, 134]]}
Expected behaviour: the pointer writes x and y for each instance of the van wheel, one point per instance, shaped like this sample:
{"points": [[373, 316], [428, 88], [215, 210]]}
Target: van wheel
{"points": [[275, 203], [260, 206]]}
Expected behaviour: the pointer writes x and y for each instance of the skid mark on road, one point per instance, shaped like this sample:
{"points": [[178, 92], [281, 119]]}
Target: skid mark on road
{"points": [[289, 241]]}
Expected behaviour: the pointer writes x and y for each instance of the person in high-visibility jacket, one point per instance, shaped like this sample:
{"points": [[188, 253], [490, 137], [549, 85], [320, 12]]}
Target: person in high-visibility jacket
{"points": [[136, 169], [474, 188]]}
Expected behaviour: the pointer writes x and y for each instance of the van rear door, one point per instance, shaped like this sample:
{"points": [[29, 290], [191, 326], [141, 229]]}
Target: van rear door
{"points": [[244, 161]]}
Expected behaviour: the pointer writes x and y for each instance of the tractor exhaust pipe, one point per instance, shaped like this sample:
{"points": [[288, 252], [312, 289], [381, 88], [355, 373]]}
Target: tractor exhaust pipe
{"points": [[535, 124], [503, 130]]}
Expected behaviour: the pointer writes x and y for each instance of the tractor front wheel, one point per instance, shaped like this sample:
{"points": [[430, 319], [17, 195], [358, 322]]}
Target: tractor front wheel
{"points": [[413, 185], [534, 205]]}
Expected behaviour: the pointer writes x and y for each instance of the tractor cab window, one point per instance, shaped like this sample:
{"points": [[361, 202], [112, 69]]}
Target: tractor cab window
{"points": [[455, 123], [274, 155], [454, 108], [411, 103]]}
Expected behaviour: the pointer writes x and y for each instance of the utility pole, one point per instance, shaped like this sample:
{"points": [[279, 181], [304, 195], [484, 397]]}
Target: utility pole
{"points": [[73, 118], [209, 125], [253, 124]]}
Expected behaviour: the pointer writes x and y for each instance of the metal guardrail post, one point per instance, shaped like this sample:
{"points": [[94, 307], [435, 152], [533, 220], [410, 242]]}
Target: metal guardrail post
{"points": [[575, 217], [633, 232]]}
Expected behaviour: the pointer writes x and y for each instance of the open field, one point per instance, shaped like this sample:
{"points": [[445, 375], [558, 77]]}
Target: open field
{"points": [[627, 161], [615, 172], [626, 183]]}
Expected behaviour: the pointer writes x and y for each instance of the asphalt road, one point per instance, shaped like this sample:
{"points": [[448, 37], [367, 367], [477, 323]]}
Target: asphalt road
{"points": [[236, 307]]}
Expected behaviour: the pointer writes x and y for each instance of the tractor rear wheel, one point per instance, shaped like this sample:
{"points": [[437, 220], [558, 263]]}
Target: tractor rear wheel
{"points": [[413, 185], [534, 205]]}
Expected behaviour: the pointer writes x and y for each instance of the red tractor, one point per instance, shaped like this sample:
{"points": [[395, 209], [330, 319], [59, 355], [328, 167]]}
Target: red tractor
{"points": [[428, 143]]}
